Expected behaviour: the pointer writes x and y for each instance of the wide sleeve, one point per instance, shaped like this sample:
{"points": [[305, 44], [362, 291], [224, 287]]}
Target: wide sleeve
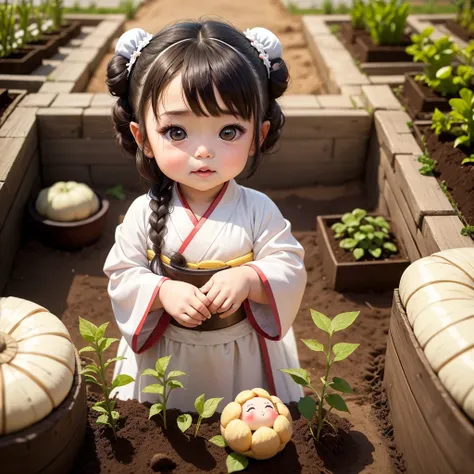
{"points": [[279, 262], [132, 286]]}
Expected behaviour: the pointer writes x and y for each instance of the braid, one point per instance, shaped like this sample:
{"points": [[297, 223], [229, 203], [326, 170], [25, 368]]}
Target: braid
{"points": [[161, 194]]}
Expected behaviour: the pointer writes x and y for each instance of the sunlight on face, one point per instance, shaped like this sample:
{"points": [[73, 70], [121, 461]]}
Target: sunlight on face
{"points": [[199, 152], [258, 412]]}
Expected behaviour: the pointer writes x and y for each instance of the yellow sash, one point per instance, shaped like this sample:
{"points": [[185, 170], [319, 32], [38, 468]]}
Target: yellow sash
{"points": [[207, 264]]}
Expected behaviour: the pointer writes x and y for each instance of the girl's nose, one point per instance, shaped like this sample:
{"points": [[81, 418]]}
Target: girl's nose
{"points": [[203, 152]]}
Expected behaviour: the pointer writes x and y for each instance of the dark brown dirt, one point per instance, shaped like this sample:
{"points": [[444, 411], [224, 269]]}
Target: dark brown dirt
{"points": [[359, 43], [6, 98], [343, 255], [72, 284], [459, 178]]}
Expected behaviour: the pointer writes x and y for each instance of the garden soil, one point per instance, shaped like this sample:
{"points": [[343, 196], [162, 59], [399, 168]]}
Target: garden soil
{"points": [[155, 14], [72, 285]]}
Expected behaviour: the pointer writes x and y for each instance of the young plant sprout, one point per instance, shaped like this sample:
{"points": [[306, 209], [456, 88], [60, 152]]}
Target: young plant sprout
{"points": [[95, 372], [204, 408], [364, 233], [166, 384], [334, 353], [386, 21], [7, 29]]}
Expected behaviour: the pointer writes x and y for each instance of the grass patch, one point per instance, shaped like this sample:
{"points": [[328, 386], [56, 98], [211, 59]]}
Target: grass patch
{"points": [[126, 7]]}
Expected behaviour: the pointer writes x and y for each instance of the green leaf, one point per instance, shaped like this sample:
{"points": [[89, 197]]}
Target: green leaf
{"points": [[300, 376], [358, 253], [115, 415], [236, 462], [105, 343], [218, 440], [174, 384], [348, 244], [176, 373], [467, 160], [321, 321], [342, 350], [117, 192], [154, 388], [91, 379], [359, 213], [337, 402], [99, 409], [338, 228], [199, 404], [101, 331], [377, 252], [359, 236], [367, 228], [391, 247], [343, 321], [86, 349], [91, 369], [307, 407], [162, 364], [341, 385], [184, 422], [87, 329], [151, 372], [103, 420], [314, 345], [155, 409], [121, 380], [113, 359], [461, 140], [210, 407]]}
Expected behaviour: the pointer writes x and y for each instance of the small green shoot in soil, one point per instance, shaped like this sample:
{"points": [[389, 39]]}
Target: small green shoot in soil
{"points": [[166, 384], [235, 462], [468, 231], [429, 165], [116, 192], [95, 336], [204, 408], [307, 406]]}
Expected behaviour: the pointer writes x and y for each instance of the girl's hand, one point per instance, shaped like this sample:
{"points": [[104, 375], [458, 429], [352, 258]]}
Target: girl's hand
{"points": [[184, 302], [226, 290]]}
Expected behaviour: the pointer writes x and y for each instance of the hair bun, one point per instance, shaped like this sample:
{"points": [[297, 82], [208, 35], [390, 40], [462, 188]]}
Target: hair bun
{"points": [[117, 76], [279, 77]]}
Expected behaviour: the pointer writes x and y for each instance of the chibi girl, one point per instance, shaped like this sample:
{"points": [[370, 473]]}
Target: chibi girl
{"points": [[203, 269]]}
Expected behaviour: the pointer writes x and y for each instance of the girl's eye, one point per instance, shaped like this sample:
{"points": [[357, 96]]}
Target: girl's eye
{"points": [[250, 408], [173, 133], [268, 406], [231, 132]]}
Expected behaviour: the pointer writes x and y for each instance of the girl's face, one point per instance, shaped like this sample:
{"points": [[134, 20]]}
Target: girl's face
{"points": [[198, 152]]}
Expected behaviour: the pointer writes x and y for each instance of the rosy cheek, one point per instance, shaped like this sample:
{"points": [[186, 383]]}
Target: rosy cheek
{"points": [[248, 417], [272, 414]]}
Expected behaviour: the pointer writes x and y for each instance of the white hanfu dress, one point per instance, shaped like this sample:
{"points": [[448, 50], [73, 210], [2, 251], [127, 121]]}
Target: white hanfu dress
{"points": [[223, 362]]}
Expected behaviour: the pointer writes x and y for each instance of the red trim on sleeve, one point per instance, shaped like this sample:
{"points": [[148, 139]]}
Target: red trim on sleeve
{"points": [[267, 365], [203, 219], [145, 314], [271, 302]]}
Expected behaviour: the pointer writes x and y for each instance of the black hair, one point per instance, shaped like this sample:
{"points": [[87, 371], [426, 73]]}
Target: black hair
{"points": [[234, 69]]}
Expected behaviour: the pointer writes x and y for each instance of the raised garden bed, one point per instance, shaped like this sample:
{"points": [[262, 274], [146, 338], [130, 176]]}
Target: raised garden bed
{"points": [[340, 266], [459, 30], [8, 101], [459, 178], [421, 101], [21, 61]]}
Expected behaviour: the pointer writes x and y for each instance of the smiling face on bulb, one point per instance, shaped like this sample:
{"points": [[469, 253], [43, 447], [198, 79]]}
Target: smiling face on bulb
{"points": [[258, 412]]}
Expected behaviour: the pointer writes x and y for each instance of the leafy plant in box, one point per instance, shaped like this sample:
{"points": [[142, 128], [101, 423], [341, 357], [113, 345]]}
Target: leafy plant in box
{"points": [[458, 122], [24, 12], [56, 12], [333, 353], [95, 372], [361, 233], [7, 29], [166, 384], [466, 19], [386, 21], [358, 13]]}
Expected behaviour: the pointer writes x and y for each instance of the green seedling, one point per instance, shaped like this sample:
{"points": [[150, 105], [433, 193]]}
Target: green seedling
{"points": [[7, 29], [235, 462], [386, 21], [307, 406], [358, 14], [95, 371], [166, 384], [204, 408], [361, 233]]}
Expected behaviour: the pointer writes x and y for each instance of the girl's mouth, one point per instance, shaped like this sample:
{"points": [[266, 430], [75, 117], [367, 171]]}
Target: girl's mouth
{"points": [[203, 172]]}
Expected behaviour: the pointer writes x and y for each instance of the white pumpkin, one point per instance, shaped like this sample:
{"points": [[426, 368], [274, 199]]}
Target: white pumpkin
{"points": [[37, 363], [438, 295], [67, 201]]}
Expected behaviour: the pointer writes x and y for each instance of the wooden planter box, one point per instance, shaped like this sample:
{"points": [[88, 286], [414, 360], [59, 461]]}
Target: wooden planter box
{"points": [[459, 31], [430, 429], [48, 45], [6, 110], [25, 64], [69, 31], [372, 53], [357, 276]]}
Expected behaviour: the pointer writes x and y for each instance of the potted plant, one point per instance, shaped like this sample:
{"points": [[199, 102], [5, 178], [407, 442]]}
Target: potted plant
{"points": [[463, 25], [449, 141], [68, 214], [359, 252], [443, 76]]}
